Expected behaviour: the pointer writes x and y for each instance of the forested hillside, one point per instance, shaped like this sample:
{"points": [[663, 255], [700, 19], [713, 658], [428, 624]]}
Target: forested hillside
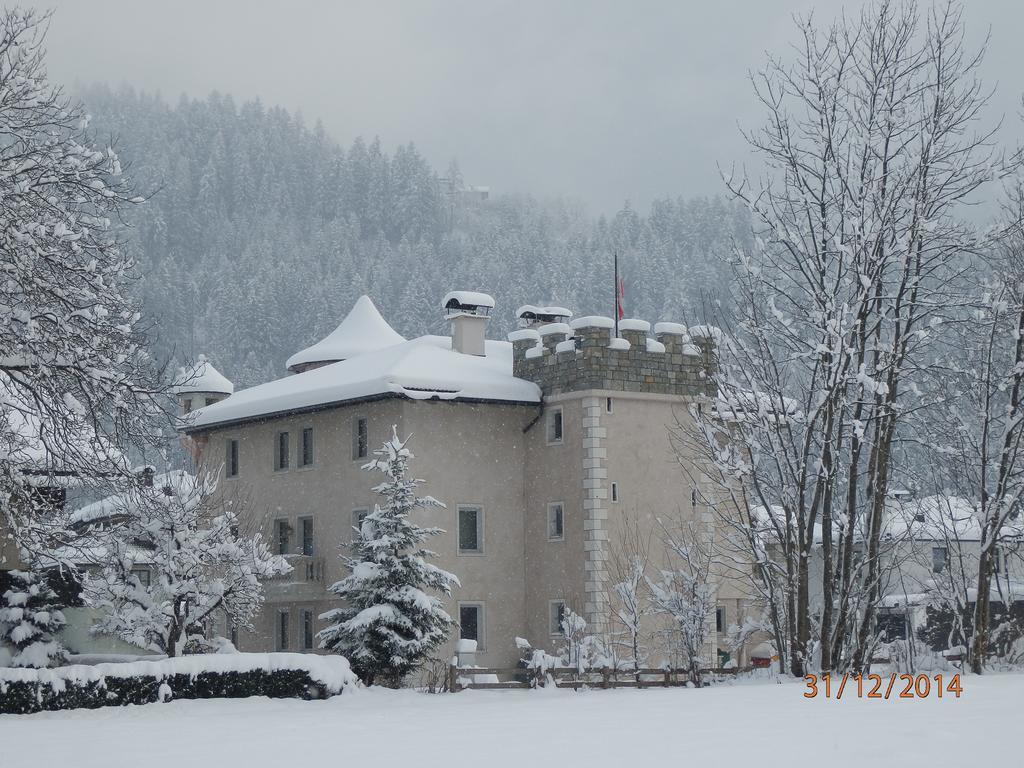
{"points": [[261, 232]]}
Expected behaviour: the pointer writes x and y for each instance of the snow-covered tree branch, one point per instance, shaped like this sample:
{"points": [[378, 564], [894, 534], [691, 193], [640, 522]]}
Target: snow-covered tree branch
{"points": [[200, 567], [77, 388]]}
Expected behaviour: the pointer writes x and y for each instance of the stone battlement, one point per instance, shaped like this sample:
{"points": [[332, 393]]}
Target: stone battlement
{"points": [[570, 358]]}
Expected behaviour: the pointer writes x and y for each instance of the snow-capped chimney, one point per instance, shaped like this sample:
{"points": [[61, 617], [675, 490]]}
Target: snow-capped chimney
{"points": [[537, 317], [467, 311]]}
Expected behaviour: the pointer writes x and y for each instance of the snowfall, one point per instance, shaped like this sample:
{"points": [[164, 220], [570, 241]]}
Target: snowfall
{"points": [[762, 723]]}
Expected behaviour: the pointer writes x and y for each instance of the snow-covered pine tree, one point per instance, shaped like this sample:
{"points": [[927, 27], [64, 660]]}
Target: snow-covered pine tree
{"points": [[30, 616], [199, 565], [76, 382], [389, 624]]}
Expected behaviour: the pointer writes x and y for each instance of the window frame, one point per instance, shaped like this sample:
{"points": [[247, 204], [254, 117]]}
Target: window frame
{"points": [[360, 438], [549, 421], [282, 632], [555, 624], [231, 460], [308, 629], [302, 463], [279, 523], [302, 535], [138, 573], [481, 622], [945, 558], [282, 460], [721, 619], [480, 550], [552, 505]]}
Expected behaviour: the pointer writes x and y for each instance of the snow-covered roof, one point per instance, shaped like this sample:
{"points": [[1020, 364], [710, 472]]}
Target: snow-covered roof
{"points": [[938, 518], [201, 376], [178, 480], [422, 368], [468, 299], [363, 330]]}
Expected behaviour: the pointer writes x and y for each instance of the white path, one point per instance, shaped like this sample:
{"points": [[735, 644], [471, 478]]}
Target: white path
{"points": [[760, 725]]}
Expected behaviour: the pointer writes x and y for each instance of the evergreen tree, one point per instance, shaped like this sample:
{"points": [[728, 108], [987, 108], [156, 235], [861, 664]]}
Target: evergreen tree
{"points": [[29, 618], [389, 623]]}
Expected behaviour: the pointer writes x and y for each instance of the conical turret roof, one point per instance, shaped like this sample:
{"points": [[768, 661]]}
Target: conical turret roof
{"points": [[201, 376], [363, 330]]}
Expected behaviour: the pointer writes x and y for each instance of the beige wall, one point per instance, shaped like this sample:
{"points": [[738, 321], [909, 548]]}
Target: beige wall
{"points": [[468, 454], [494, 456]]}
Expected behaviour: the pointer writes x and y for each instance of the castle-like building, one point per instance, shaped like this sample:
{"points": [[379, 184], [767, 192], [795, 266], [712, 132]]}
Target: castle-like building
{"points": [[547, 450]]}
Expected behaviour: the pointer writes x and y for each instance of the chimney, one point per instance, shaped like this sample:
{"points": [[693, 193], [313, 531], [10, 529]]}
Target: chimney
{"points": [[537, 317], [467, 311]]}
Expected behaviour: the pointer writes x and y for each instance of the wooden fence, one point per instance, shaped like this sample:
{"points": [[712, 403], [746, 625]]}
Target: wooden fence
{"points": [[570, 677]]}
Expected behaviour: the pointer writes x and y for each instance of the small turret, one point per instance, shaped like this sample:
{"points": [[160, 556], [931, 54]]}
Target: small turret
{"points": [[200, 384]]}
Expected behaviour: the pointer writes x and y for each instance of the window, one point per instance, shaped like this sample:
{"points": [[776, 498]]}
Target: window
{"points": [[209, 401], [615, 491], [471, 623], [996, 561], [283, 535], [360, 438], [186, 404], [306, 524], [939, 559], [231, 458], [307, 630], [142, 574], [306, 456], [720, 620], [556, 521], [608, 405], [281, 451], [556, 613], [282, 630], [234, 635], [358, 515], [554, 426], [471, 538]]}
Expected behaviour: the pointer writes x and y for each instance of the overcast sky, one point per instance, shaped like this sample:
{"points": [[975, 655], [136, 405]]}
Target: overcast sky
{"points": [[601, 101]]}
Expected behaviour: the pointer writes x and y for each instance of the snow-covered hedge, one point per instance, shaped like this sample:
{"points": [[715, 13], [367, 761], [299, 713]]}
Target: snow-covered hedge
{"points": [[278, 675]]}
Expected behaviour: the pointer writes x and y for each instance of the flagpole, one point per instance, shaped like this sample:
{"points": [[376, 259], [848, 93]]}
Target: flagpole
{"points": [[615, 293]]}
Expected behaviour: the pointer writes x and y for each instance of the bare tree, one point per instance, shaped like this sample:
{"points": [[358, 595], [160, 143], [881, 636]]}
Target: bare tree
{"points": [[630, 605], [77, 387], [871, 151], [683, 592]]}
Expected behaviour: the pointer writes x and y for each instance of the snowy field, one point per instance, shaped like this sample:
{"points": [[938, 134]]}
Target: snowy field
{"points": [[757, 724]]}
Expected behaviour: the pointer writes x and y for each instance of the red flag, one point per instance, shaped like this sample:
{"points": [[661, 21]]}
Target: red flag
{"points": [[621, 294]]}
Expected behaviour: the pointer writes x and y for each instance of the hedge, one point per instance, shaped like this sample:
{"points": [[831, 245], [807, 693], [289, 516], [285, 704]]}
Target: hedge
{"points": [[276, 675]]}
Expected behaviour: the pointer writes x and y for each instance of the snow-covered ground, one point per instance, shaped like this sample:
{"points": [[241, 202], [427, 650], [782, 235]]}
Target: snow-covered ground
{"points": [[765, 725]]}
